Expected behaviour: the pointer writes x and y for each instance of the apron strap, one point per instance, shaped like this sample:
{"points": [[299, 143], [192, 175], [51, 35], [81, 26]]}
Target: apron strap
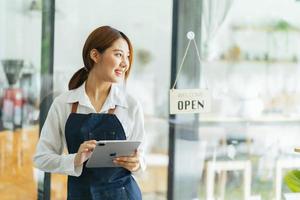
{"points": [[74, 107], [112, 110]]}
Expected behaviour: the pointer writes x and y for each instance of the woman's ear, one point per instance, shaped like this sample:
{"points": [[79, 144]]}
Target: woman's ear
{"points": [[95, 55]]}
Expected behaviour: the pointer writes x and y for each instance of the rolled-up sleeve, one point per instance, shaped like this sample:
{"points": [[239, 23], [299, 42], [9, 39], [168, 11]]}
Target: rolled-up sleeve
{"points": [[49, 155]]}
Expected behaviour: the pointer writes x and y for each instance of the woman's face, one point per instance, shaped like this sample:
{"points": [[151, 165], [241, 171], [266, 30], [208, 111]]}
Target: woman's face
{"points": [[112, 64]]}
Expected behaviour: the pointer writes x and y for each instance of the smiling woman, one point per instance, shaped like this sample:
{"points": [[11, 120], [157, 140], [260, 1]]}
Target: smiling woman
{"points": [[100, 44], [96, 107], [113, 63]]}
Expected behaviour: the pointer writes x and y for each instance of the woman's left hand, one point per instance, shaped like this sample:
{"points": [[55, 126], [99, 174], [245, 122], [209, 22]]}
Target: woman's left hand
{"points": [[131, 163]]}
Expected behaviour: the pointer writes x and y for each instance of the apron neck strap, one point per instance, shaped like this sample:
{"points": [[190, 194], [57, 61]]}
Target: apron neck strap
{"points": [[74, 107], [112, 110]]}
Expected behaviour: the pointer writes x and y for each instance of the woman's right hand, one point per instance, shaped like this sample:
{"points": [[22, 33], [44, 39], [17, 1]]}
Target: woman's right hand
{"points": [[84, 152]]}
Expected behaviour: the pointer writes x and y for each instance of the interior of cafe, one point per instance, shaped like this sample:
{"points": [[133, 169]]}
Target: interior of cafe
{"points": [[242, 149]]}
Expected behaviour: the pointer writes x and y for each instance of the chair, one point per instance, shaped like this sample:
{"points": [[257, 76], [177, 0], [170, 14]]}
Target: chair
{"points": [[280, 165], [224, 166]]}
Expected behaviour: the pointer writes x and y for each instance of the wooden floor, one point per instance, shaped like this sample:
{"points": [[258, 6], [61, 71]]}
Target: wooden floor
{"points": [[18, 177]]}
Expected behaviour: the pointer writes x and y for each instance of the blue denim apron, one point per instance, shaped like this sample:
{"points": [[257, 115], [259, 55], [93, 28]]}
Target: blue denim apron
{"points": [[112, 183]]}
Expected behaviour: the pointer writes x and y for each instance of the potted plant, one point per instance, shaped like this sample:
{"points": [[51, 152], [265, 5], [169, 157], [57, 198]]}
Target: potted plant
{"points": [[292, 180]]}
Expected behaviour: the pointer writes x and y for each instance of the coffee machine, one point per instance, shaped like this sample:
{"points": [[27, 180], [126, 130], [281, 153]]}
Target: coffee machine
{"points": [[13, 100]]}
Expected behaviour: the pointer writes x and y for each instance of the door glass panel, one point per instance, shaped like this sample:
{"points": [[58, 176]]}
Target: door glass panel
{"points": [[148, 25], [243, 148], [20, 58]]}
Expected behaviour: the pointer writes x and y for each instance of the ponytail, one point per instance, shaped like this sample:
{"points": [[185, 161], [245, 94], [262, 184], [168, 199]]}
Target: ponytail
{"points": [[78, 78]]}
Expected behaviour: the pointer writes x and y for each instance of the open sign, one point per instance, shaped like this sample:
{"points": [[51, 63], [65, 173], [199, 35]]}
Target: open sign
{"points": [[190, 101]]}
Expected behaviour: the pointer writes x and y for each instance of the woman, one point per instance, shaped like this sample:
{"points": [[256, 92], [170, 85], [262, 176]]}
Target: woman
{"points": [[96, 107]]}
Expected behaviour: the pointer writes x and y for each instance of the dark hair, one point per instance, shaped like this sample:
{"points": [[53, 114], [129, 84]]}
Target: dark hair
{"points": [[100, 39]]}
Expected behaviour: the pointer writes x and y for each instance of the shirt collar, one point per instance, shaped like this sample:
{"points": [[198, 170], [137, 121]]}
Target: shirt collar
{"points": [[116, 97]]}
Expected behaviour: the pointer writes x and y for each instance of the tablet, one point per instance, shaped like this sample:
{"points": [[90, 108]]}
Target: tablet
{"points": [[107, 150]]}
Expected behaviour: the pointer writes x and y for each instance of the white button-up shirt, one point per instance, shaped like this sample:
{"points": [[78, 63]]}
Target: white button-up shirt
{"points": [[49, 154]]}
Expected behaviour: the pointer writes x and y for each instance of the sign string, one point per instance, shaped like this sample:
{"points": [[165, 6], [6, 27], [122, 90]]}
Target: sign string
{"points": [[190, 36], [183, 59]]}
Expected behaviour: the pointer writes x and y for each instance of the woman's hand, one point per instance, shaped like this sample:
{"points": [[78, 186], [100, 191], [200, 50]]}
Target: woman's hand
{"points": [[84, 152], [131, 163]]}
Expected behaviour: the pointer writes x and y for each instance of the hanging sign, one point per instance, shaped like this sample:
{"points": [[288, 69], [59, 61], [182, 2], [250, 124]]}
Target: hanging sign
{"points": [[190, 101]]}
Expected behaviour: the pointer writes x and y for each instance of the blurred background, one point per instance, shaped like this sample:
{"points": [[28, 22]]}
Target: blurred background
{"points": [[250, 51]]}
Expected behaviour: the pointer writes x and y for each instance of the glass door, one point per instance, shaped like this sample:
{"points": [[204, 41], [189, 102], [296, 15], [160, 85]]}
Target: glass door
{"points": [[20, 64], [244, 147], [148, 25]]}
